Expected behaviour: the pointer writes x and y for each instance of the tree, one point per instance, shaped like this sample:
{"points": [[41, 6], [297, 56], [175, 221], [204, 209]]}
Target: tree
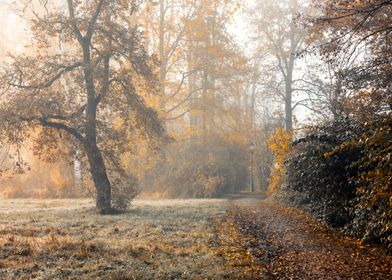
{"points": [[88, 68], [358, 41], [221, 69], [204, 103], [280, 42], [166, 24]]}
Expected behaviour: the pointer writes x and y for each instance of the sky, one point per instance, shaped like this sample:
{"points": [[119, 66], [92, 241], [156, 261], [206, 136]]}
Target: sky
{"points": [[12, 30]]}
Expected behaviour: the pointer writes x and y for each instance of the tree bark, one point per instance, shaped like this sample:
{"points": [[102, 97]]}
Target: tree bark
{"points": [[289, 80], [100, 179], [288, 107], [94, 155], [162, 55]]}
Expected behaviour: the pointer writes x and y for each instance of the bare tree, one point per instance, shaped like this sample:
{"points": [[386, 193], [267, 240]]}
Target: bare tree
{"points": [[280, 42]]}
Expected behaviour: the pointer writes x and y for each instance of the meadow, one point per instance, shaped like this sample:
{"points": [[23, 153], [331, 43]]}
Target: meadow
{"points": [[155, 239]]}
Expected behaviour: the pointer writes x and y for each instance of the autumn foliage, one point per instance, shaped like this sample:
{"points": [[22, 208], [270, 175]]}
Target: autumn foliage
{"points": [[341, 173], [279, 143], [371, 207]]}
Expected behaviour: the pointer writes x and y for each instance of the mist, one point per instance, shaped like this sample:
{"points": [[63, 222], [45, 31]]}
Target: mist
{"points": [[134, 108]]}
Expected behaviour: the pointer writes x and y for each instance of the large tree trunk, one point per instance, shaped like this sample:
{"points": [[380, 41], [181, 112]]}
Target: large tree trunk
{"points": [[288, 108], [288, 114], [290, 71], [100, 178], [94, 155]]}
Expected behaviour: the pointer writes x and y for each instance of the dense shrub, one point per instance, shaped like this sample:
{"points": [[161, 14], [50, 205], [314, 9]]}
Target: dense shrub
{"points": [[202, 170], [124, 189], [341, 173], [371, 209], [317, 183]]}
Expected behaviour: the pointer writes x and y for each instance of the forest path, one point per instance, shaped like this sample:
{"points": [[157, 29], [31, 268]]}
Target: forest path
{"points": [[290, 244]]}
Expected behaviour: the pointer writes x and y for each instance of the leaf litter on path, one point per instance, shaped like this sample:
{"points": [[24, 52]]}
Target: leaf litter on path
{"points": [[289, 244]]}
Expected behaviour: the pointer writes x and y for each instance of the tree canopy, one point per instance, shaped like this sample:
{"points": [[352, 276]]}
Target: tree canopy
{"points": [[87, 68]]}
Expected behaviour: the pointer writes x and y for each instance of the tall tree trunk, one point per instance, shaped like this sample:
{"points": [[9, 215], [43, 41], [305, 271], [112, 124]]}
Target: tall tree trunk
{"points": [[289, 83], [162, 55], [288, 108], [94, 155], [290, 69], [205, 85], [100, 178]]}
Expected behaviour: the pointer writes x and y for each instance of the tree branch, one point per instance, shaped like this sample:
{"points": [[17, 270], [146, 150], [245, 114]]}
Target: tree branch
{"points": [[69, 116], [49, 82], [74, 25], [61, 126], [91, 25]]}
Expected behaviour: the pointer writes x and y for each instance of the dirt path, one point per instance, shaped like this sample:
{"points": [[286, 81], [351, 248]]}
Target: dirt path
{"points": [[289, 244]]}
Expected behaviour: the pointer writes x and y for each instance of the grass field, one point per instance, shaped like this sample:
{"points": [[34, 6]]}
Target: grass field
{"points": [[156, 239]]}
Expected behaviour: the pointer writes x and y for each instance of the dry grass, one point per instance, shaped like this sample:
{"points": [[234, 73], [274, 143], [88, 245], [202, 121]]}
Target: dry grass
{"points": [[157, 239]]}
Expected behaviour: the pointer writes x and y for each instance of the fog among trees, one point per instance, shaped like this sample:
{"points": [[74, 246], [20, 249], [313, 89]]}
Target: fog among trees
{"points": [[288, 100]]}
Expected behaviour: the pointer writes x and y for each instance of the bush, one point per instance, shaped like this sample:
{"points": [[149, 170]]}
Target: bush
{"points": [[319, 184], [202, 170], [371, 209], [279, 144], [122, 196], [124, 188], [341, 173]]}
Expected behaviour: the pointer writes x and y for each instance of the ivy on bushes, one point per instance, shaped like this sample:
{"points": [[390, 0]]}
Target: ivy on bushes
{"points": [[341, 173], [371, 209]]}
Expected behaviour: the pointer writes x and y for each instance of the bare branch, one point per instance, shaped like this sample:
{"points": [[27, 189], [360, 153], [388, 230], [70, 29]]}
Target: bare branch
{"points": [[75, 28], [74, 132], [69, 116], [50, 81], [91, 25]]}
